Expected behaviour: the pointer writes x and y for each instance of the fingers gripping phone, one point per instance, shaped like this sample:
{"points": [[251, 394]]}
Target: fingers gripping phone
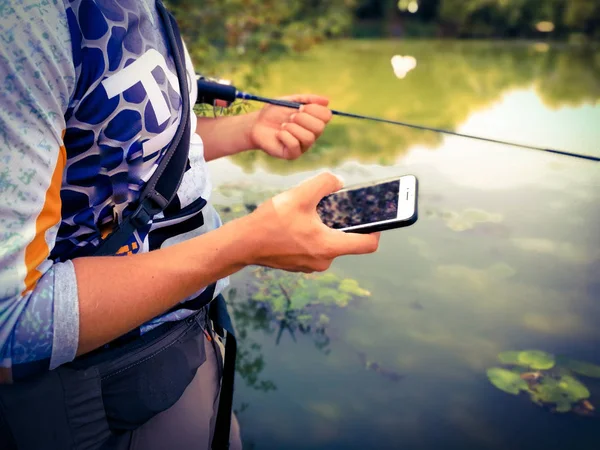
{"points": [[372, 207]]}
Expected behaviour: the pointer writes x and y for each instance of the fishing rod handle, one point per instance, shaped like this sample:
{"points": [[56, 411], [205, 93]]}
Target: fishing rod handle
{"points": [[219, 93], [215, 93]]}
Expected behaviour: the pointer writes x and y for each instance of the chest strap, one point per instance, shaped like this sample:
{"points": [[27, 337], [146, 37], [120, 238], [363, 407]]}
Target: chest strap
{"points": [[164, 183]]}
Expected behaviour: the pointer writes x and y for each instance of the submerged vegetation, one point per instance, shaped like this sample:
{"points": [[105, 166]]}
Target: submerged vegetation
{"points": [[275, 301], [300, 302], [287, 293], [282, 303], [549, 381]]}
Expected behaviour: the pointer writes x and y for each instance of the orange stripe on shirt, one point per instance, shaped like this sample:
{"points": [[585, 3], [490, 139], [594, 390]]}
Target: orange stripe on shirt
{"points": [[37, 251]]}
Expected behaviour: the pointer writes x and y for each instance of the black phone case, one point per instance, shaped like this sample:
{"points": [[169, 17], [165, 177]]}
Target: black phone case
{"points": [[393, 225]]}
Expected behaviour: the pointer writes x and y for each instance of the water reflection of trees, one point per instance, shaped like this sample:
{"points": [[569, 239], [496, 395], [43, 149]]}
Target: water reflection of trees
{"points": [[572, 79], [272, 303], [452, 81], [250, 360], [252, 316]]}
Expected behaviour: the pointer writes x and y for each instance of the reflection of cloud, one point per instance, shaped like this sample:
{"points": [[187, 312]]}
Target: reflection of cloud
{"points": [[565, 323], [477, 279], [501, 271], [423, 248], [469, 218], [470, 349], [408, 362], [325, 410], [493, 300], [563, 250], [491, 166]]}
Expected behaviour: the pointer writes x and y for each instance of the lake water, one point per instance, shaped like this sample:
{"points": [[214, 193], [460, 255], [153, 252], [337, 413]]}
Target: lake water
{"points": [[505, 255]]}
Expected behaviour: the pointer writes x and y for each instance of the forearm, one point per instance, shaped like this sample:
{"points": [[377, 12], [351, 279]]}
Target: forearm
{"points": [[117, 294], [225, 136]]}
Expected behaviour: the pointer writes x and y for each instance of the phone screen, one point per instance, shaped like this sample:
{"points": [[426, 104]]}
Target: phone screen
{"points": [[367, 204]]}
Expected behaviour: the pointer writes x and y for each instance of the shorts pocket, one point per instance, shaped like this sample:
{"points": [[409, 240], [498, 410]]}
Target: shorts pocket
{"points": [[61, 409], [136, 387]]}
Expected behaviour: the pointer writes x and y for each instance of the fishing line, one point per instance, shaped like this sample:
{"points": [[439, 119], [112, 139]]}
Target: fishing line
{"points": [[211, 92]]}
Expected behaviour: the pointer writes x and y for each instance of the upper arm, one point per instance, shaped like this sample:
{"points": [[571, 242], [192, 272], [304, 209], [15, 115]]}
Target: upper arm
{"points": [[37, 78]]}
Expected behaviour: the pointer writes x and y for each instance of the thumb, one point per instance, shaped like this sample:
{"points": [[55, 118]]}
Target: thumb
{"points": [[314, 189]]}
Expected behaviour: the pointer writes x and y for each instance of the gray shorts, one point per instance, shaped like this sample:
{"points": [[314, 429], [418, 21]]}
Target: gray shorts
{"points": [[159, 391], [189, 423]]}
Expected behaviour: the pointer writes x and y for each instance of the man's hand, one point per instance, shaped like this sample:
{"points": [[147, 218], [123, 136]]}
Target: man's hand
{"points": [[287, 133], [288, 233]]}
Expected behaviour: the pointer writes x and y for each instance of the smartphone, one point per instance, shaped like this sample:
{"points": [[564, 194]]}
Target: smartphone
{"points": [[372, 207]]}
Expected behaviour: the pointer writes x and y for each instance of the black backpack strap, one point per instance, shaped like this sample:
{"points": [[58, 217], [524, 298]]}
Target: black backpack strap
{"points": [[162, 186], [220, 317], [158, 193]]}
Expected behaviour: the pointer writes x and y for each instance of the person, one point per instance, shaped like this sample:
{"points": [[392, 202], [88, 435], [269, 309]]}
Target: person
{"points": [[101, 351]]}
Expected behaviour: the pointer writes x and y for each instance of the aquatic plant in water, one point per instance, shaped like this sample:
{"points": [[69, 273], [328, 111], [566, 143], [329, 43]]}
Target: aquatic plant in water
{"points": [[534, 359], [286, 293], [301, 302], [548, 380], [507, 380], [563, 392], [580, 367]]}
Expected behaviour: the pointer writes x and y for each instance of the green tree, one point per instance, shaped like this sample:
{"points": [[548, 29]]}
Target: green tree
{"points": [[584, 16], [518, 18], [236, 37], [500, 17]]}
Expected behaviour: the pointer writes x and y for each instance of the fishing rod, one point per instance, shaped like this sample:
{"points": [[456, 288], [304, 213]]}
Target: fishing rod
{"points": [[219, 93]]}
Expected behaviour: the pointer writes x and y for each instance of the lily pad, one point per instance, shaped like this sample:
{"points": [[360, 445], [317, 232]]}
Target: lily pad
{"points": [[536, 359], [563, 407], [563, 392], [580, 367], [506, 380], [575, 388]]}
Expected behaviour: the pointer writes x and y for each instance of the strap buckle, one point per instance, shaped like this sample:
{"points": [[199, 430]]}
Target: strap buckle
{"points": [[141, 216]]}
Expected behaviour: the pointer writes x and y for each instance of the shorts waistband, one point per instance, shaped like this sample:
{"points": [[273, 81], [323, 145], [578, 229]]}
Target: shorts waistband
{"points": [[127, 342]]}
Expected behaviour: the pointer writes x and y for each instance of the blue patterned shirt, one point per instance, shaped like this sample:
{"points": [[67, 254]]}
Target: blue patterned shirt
{"points": [[90, 101]]}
